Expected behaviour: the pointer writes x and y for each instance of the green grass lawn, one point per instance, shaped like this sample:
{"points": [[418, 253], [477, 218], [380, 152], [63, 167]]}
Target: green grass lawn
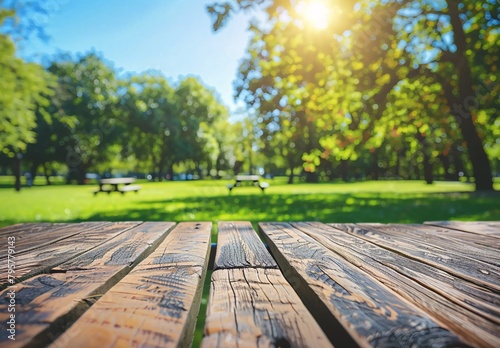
{"points": [[209, 200]]}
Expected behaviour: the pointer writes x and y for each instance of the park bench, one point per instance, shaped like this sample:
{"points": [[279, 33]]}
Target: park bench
{"points": [[103, 284], [113, 185], [242, 180]]}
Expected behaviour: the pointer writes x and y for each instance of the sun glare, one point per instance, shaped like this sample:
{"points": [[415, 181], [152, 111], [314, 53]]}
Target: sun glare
{"points": [[315, 13]]}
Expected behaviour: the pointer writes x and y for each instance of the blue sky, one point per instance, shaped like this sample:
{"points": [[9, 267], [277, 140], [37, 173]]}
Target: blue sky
{"points": [[173, 36]]}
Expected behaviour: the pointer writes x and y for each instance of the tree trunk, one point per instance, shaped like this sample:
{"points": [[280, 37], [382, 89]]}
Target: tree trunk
{"points": [[312, 177], [160, 171], [479, 160], [344, 170], [17, 171], [428, 169], [46, 173], [82, 170], [331, 169], [33, 169], [291, 176], [199, 171], [445, 161], [466, 101], [171, 170]]}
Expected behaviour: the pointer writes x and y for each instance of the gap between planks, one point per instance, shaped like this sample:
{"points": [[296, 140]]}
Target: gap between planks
{"points": [[250, 303], [340, 294]]}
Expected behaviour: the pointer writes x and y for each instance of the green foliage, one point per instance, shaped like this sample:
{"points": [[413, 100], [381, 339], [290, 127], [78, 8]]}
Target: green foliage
{"points": [[416, 74], [88, 92], [24, 89], [169, 125]]}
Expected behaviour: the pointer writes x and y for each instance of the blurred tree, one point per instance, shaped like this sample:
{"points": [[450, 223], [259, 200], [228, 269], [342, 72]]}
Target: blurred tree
{"points": [[365, 50], [24, 89], [199, 111], [168, 126], [153, 128], [89, 93]]}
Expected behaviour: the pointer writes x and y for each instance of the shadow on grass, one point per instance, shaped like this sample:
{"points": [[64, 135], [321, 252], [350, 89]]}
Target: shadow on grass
{"points": [[363, 207]]}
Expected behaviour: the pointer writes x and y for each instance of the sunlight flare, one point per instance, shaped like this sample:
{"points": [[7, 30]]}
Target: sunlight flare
{"points": [[315, 13]]}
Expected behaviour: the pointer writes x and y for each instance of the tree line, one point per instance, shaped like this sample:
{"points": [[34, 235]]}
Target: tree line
{"points": [[405, 89], [396, 89]]}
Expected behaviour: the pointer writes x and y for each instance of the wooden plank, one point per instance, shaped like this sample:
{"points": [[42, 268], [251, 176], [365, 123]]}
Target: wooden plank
{"points": [[453, 260], [239, 246], [251, 304], [472, 313], [69, 242], [450, 234], [347, 301], [247, 177], [48, 303], [488, 228], [156, 304], [37, 236], [256, 307], [116, 181], [439, 238], [23, 227]]}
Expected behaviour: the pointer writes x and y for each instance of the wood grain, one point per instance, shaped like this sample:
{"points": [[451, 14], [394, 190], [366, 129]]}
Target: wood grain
{"points": [[37, 236], [476, 247], [449, 256], [44, 250], [157, 303], [256, 307], [465, 239], [239, 246], [471, 312], [488, 228], [342, 295], [24, 227], [49, 303], [251, 304]]}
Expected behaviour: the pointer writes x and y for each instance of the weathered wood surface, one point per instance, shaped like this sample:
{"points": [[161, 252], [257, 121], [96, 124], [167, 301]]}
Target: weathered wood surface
{"points": [[27, 227], [368, 285], [470, 311], [239, 246], [39, 249], [36, 236], [156, 304], [251, 304], [256, 307], [472, 239], [48, 303], [483, 248], [487, 228], [459, 259], [352, 305]]}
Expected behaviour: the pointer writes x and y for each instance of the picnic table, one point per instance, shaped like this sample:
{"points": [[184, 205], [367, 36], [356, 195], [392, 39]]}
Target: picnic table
{"points": [[103, 284], [113, 185], [241, 180]]}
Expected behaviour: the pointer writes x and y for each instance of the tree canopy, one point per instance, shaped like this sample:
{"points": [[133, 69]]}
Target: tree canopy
{"points": [[418, 74]]}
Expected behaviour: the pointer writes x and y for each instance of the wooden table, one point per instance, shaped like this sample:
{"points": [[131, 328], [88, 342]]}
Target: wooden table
{"points": [[107, 284], [113, 185], [241, 180]]}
